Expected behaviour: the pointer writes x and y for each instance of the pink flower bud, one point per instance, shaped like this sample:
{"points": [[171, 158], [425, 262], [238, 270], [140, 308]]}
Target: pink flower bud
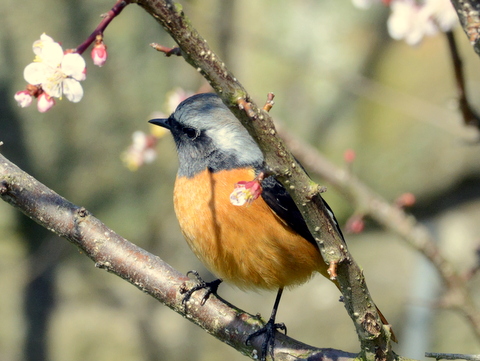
{"points": [[349, 155], [45, 102], [405, 200], [355, 224], [99, 54], [23, 98]]}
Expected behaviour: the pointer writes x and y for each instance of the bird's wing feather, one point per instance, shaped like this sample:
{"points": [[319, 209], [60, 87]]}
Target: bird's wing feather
{"points": [[278, 199]]}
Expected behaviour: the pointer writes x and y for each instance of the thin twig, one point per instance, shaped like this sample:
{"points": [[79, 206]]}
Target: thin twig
{"points": [[107, 18], [452, 356], [166, 50], [470, 117]]}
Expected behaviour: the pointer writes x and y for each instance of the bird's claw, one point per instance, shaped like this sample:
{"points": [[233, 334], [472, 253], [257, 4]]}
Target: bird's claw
{"points": [[269, 342], [210, 287]]}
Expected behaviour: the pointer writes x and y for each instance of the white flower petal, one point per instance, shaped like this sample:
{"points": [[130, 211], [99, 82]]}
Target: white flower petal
{"points": [[149, 155], [238, 197], [72, 90], [52, 54], [53, 88], [399, 21], [39, 44], [139, 140], [36, 73], [443, 12], [46, 39], [364, 4], [73, 65], [410, 21], [414, 37]]}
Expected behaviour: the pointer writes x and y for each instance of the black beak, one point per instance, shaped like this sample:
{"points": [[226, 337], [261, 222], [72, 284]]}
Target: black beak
{"points": [[161, 123]]}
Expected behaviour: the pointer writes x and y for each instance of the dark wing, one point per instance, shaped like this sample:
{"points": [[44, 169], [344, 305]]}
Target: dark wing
{"points": [[278, 199]]}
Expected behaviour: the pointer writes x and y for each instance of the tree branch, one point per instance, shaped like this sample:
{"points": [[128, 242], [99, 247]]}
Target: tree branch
{"points": [[470, 117], [452, 356], [147, 272], [469, 14]]}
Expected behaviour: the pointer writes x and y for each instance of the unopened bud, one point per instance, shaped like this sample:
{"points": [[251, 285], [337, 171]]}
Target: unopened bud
{"points": [[45, 102], [99, 52], [23, 98], [349, 156]]}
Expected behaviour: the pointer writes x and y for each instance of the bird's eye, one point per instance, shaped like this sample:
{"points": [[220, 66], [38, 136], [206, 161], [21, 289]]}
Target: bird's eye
{"points": [[191, 132]]}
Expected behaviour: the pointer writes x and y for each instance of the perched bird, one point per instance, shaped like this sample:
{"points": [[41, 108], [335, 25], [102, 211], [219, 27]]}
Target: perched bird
{"points": [[263, 245]]}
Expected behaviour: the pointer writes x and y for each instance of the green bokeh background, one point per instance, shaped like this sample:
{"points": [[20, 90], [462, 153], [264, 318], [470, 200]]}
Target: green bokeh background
{"points": [[340, 83]]}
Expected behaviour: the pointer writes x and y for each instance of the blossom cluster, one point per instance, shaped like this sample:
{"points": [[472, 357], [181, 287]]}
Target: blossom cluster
{"points": [[140, 151], [412, 20], [52, 74], [55, 73]]}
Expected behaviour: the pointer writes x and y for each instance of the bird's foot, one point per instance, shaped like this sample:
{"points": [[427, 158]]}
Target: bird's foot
{"points": [[269, 342], [210, 287]]}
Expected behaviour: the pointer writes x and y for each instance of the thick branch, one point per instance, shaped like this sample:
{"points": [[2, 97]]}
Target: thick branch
{"points": [[279, 161], [145, 271]]}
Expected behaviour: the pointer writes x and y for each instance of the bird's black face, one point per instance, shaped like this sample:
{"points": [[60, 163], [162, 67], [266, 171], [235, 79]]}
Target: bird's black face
{"points": [[208, 136], [177, 129], [194, 147]]}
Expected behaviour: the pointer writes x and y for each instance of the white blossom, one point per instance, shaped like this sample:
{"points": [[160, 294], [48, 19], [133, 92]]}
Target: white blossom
{"points": [[408, 21], [412, 20], [442, 12], [364, 4], [57, 73]]}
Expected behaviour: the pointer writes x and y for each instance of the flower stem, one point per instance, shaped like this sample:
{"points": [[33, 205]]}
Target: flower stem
{"points": [[107, 18]]}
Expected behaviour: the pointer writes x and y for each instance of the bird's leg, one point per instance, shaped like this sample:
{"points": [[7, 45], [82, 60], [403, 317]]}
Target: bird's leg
{"points": [[269, 330], [210, 287]]}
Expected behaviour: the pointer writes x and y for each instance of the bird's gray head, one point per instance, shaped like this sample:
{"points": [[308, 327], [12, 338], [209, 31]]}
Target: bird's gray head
{"points": [[208, 136]]}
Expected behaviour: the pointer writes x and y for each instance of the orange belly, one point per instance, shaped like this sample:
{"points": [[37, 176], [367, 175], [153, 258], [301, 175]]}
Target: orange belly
{"points": [[248, 246]]}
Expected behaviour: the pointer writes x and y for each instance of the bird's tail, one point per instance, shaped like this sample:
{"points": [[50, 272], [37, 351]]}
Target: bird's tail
{"points": [[385, 322]]}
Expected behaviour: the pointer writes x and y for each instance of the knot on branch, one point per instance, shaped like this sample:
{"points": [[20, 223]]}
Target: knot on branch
{"points": [[103, 265], [315, 191], [82, 212], [247, 107], [3, 187], [370, 324]]}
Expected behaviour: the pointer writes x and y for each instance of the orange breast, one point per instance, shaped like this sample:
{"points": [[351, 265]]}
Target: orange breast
{"points": [[245, 245]]}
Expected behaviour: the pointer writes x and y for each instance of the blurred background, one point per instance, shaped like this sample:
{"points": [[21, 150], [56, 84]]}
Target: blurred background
{"points": [[340, 83]]}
